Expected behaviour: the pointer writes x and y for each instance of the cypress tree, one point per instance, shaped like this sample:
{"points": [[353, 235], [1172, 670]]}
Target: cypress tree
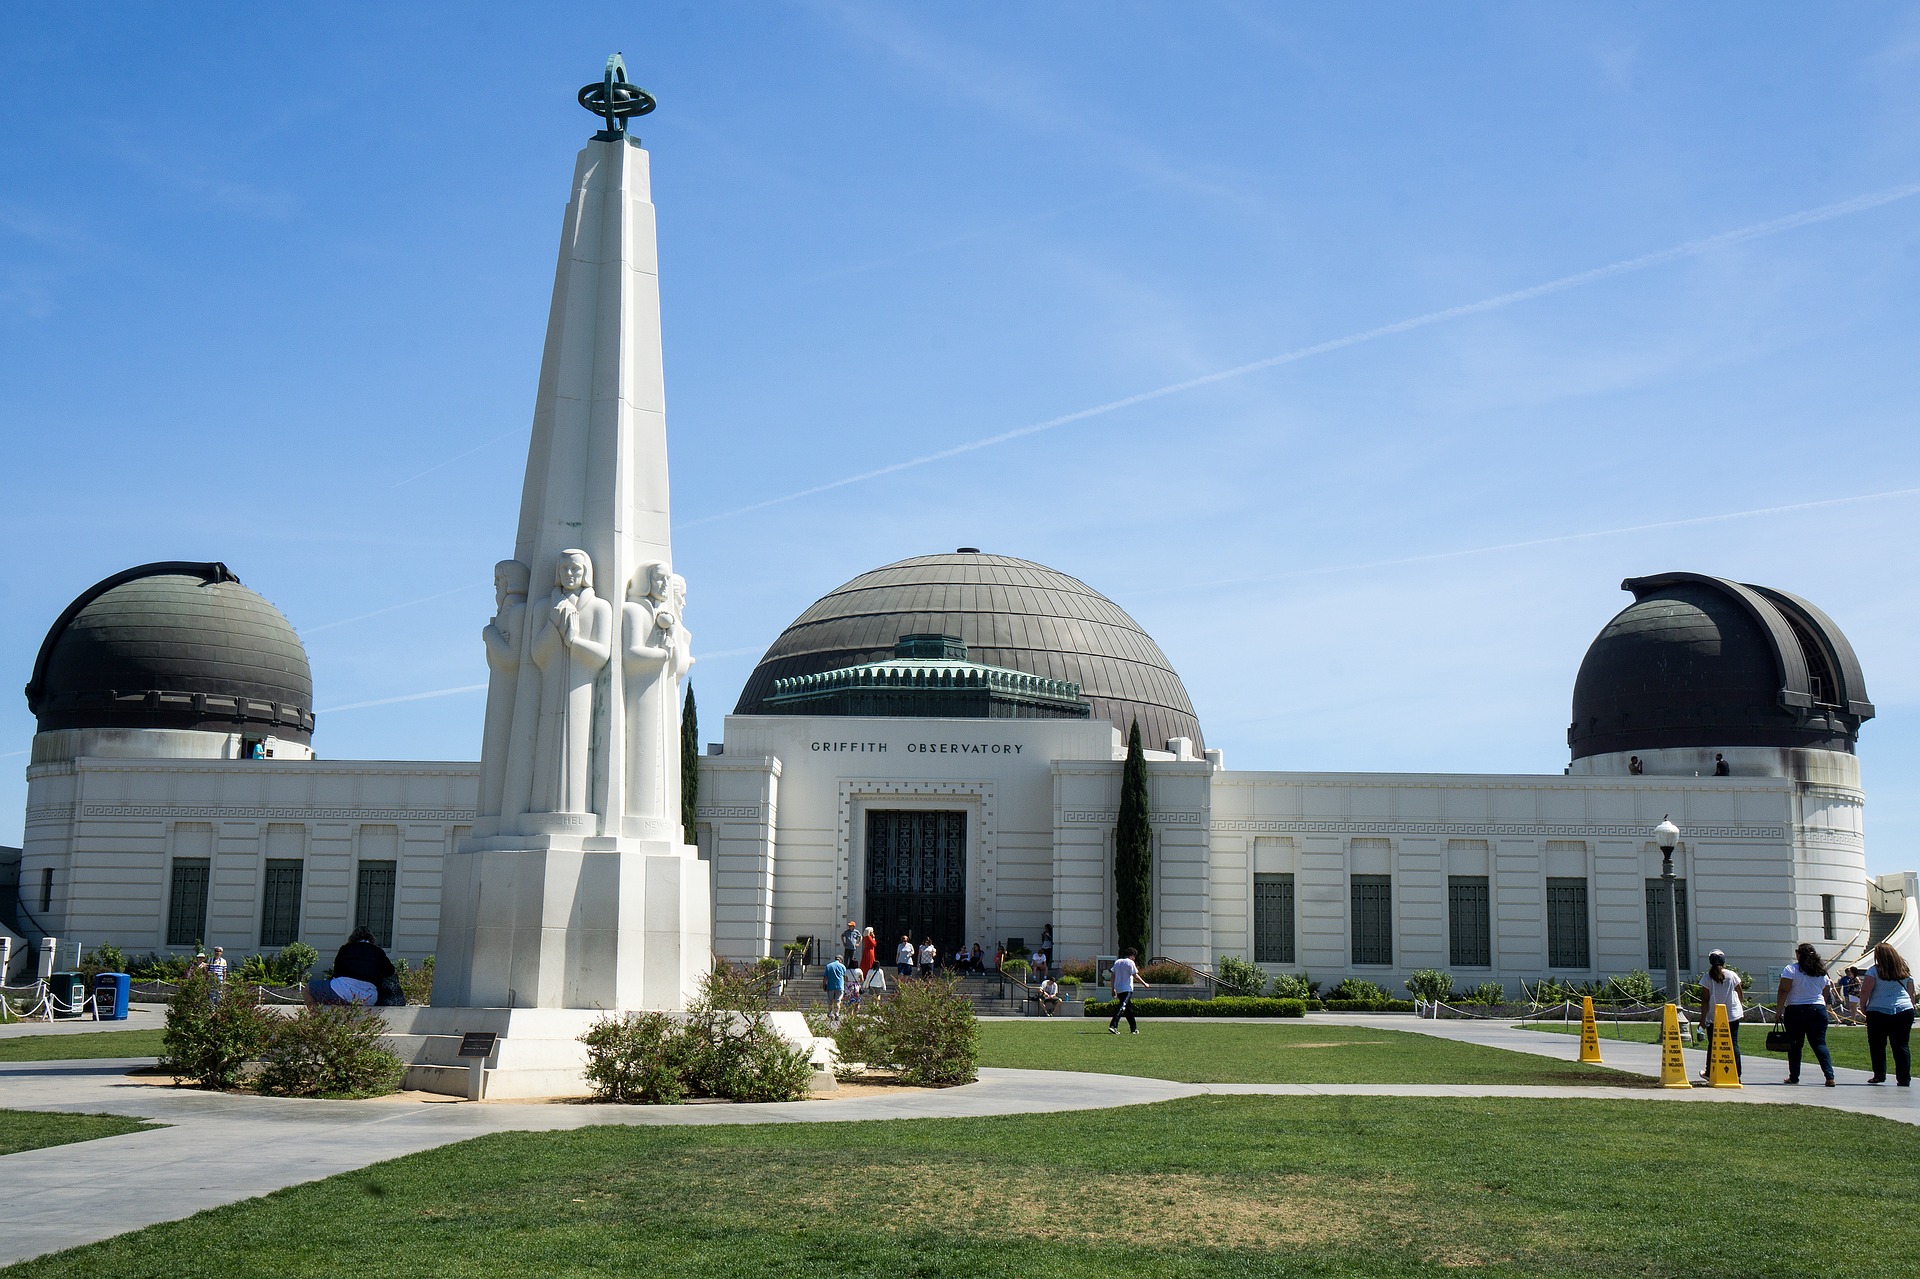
{"points": [[689, 766], [1133, 854]]}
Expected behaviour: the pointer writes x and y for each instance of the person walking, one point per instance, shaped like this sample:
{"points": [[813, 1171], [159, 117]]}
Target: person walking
{"points": [[903, 956], [833, 980], [1805, 991], [850, 945], [1887, 995], [1849, 991], [1126, 975], [1720, 986], [929, 956], [869, 950]]}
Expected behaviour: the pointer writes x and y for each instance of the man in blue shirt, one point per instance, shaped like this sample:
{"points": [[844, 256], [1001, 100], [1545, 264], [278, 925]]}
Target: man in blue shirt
{"points": [[836, 982], [1126, 975]]}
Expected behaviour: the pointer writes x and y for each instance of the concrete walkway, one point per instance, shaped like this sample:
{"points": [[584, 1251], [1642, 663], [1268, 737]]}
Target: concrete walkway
{"points": [[139, 1017], [219, 1149]]}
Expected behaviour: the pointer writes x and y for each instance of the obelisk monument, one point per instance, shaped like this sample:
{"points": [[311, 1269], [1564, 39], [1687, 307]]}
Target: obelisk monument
{"points": [[576, 888]]}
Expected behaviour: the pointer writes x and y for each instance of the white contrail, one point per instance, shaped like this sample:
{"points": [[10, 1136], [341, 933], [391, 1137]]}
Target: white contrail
{"points": [[391, 608], [406, 697], [449, 461], [1562, 537], [1806, 217]]}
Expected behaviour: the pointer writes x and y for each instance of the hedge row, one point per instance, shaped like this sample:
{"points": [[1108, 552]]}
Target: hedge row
{"points": [[1366, 1005], [1224, 1006]]}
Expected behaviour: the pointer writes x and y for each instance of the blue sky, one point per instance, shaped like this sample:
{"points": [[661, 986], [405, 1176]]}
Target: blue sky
{"points": [[273, 280]]}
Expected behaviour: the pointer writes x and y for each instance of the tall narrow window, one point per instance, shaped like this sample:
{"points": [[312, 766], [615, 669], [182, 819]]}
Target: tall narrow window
{"points": [[1828, 924], [46, 888], [187, 901], [280, 907], [1273, 919], [373, 900], [1657, 924], [1371, 897], [1567, 924], [1469, 922]]}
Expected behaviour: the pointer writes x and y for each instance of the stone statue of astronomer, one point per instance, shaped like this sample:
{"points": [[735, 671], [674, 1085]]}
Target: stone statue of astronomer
{"points": [[572, 642]]}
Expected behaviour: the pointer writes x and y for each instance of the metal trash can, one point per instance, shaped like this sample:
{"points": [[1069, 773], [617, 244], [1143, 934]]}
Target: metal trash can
{"points": [[68, 992], [110, 993]]}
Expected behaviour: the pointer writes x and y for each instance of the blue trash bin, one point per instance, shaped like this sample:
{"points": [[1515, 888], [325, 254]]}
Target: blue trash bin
{"points": [[110, 993]]}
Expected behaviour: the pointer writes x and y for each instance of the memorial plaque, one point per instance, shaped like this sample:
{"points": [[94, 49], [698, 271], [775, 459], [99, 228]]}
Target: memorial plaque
{"points": [[477, 1043]]}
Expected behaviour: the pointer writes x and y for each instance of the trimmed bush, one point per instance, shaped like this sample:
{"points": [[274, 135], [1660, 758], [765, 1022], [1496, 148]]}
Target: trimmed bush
{"points": [[1168, 974], [210, 1042], [722, 1046], [1016, 968], [1430, 983], [633, 1059], [1295, 986], [1367, 1005], [1357, 990], [329, 1051], [925, 1029], [1081, 968], [1237, 976], [1222, 1006]]}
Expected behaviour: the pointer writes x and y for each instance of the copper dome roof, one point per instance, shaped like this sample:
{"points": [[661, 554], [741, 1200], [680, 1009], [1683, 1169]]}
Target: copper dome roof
{"points": [[1010, 612]]}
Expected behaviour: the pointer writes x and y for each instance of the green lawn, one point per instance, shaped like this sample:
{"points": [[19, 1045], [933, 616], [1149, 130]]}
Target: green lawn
{"points": [[1848, 1044], [1239, 1186], [30, 1129], [102, 1043], [1204, 1052]]}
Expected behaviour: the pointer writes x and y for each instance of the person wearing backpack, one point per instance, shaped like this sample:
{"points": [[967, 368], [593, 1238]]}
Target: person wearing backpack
{"points": [[1887, 996]]}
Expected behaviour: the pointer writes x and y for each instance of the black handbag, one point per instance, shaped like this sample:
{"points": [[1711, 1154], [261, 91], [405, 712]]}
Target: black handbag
{"points": [[1778, 1040]]}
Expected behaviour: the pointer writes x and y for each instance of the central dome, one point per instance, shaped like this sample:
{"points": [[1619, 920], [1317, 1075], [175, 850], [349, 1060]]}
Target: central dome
{"points": [[1009, 612]]}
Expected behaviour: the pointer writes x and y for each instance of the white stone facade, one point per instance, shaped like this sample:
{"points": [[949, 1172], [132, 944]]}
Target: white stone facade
{"points": [[1768, 860], [106, 832]]}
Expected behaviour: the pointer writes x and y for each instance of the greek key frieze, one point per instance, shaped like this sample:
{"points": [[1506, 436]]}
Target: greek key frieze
{"points": [[1110, 816], [1235, 825], [736, 810], [280, 814]]}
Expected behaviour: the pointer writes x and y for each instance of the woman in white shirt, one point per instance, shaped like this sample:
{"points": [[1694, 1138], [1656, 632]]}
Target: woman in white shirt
{"points": [[1722, 985], [1805, 991]]}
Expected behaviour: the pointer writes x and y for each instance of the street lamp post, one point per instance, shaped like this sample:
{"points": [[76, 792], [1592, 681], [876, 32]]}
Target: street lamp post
{"points": [[1666, 834]]}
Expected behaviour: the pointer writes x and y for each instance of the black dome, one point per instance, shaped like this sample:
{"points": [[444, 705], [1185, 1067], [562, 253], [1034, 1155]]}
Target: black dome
{"points": [[173, 645], [1011, 613], [1700, 661]]}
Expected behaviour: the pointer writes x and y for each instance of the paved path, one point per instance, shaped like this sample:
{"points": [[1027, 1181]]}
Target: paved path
{"points": [[139, 1017], [219, 1149]]}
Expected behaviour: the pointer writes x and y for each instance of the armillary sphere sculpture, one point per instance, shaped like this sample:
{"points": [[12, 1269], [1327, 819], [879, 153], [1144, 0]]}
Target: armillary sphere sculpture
{"points": [[616, 98]]}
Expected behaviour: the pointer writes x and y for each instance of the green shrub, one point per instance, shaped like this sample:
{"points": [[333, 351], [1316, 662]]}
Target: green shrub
{"points": [[931, 1033], [209, 1041], [1237, 976], [416, 983], [735, 987], [1221, 1006], [1635, 987], [329, 1051], [1016, 968], [859, 1036], [709, 1051], [156, 967], [1357, 990], [1430, 983], [1487, 992], [633, 1059], [104, 958], [1167, 973], [1070, 985], [1083, 969], [1295, 986], [1367, 1005], [766, 968]]}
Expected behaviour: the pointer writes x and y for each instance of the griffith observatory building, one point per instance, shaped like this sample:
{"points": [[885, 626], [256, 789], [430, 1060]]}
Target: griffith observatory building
{"points": [[936, 747]]}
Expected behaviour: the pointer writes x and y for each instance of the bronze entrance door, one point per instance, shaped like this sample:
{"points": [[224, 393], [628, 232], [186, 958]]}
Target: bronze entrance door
{"points": [[916, 878]]}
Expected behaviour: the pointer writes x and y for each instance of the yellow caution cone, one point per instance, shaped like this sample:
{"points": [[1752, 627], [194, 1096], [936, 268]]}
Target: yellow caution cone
{"points": [[1721, 1070], [1673, 1066], [1589, 1033]]}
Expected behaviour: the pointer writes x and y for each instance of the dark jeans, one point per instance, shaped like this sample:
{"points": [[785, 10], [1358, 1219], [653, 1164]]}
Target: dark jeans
{"points": [[1806, 1022], [1124, 1010], [1733, 1032], [1894, 1028]]}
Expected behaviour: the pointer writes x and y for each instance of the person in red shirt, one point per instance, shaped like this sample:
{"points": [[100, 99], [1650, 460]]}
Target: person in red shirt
{"points": [[869, 950]]}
